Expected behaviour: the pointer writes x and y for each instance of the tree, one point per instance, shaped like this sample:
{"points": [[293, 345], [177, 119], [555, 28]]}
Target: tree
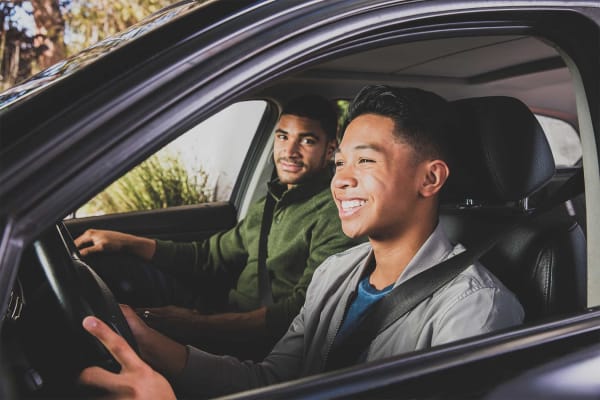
{"points": [[16, 47], [49, 39], [62, 28], [92, 21]]}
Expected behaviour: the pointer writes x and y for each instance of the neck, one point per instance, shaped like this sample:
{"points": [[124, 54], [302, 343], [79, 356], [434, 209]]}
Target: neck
{"points": [[393, 254]]}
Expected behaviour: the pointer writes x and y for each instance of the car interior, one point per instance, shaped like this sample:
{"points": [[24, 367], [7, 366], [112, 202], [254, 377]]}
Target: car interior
{"points": [[504, 171]]}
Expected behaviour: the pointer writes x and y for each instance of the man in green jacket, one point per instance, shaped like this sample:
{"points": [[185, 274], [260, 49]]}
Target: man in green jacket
{"points": [[305, 230]]}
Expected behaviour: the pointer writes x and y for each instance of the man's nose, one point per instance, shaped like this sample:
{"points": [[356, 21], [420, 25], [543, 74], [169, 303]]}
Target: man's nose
{"points": [[291, 147], [343, 178]]}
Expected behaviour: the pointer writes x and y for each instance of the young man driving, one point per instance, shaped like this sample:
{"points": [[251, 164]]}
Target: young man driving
{"points": [[220, 308], [390, 168]]}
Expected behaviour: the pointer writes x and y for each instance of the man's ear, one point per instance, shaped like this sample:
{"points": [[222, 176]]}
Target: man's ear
{"points": [[436, 173]]}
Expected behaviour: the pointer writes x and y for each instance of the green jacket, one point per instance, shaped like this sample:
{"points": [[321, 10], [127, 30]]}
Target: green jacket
{"points": [[304, 232]]}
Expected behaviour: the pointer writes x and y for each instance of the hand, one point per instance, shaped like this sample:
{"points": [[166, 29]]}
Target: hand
{"points": [[162, 353], [138, 327], [95, 240], [182, 324], [136, 380]]}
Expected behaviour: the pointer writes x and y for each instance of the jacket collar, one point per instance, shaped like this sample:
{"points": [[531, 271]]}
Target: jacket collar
{"points": [[302, 191], [436, 248]]}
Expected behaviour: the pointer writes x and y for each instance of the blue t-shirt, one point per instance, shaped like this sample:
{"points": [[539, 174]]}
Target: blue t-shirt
{"points": [[367, 296]]}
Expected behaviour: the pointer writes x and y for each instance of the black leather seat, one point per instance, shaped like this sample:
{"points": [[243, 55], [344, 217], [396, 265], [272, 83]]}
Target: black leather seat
{"points": [[508, 160]]}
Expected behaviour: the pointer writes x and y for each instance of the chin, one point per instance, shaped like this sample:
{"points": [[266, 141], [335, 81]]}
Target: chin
{"points": [[352, 233]]}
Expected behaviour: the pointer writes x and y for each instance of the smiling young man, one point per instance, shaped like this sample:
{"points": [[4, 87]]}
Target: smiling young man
{"points": [[390, 168], [222, 311]]}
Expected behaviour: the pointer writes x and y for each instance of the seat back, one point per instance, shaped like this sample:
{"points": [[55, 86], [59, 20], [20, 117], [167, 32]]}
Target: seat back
{"points": [[543, 261]]}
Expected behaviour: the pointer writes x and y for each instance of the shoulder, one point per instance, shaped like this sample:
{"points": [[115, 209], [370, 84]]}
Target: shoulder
{"points": [[255, 211], [476, 288], [473, 278]]}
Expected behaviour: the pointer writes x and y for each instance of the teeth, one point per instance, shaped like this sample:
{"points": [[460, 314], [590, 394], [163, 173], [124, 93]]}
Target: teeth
{"points": [[348, 204]]}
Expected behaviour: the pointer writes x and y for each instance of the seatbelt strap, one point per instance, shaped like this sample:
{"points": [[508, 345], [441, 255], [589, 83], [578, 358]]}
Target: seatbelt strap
{"points": [[412, 292], [401, 300], [264, 281]]}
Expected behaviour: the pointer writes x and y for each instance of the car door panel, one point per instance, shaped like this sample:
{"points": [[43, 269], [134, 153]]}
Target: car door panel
{"points": [[183, 223]]}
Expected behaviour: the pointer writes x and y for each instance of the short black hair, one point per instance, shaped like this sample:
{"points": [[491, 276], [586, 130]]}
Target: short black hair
{"points": [[317, 108], [422, 119]]}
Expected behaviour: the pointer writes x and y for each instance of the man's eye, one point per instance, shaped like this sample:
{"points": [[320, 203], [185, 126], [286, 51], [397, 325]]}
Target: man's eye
{"points": [[308, 141], [365, 160], [338, 163], [281, 137]]}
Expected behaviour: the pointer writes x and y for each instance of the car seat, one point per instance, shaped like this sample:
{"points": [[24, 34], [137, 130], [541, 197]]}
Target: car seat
{"points": [[504, 159]]}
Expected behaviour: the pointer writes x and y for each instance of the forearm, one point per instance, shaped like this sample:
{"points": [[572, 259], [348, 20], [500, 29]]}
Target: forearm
{"points": [[248, 323], [162, 353], [189, 326], [141, 247]]}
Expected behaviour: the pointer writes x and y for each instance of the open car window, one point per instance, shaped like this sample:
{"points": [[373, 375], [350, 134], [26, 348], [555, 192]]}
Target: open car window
{"points": [[190, 170]]}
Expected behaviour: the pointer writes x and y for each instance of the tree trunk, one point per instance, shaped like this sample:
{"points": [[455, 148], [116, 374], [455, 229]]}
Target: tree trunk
{"points": [[50, 32]]}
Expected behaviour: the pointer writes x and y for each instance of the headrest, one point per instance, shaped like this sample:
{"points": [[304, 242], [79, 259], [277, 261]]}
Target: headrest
{"points": [[503, 154]]}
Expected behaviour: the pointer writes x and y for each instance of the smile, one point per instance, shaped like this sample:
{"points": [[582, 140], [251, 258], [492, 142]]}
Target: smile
{"points": [[290, 166], [349, 207]]}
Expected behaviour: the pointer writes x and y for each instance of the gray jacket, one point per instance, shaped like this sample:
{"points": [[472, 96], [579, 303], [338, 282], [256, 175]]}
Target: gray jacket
{"points": [[475, 302]]}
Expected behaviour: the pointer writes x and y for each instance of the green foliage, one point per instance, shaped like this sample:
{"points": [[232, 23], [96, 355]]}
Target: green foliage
{"points": [[91, 21], [342, 113], [159, 182]]}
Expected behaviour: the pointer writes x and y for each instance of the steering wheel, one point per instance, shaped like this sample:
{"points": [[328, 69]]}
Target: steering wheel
{"points": [[80, 292]]}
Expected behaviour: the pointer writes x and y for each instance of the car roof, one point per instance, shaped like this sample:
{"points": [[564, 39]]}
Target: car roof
{"points": [[519, 66]]}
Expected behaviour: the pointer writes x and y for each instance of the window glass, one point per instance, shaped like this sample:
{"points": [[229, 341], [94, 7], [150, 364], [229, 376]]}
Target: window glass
{"points": [[200, 166], [563, 140]]}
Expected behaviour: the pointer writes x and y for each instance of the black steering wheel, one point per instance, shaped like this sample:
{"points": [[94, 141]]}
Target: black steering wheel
{"points": [[80, 292]]}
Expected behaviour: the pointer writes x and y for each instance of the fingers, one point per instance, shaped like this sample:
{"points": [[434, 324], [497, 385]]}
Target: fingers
{"points": [[115, 344], [86, 243], [87, 250], [82, 239], [99, 377], [132, 316], [93, 241]]}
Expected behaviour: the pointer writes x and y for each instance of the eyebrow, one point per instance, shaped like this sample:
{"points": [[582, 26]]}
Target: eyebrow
{"points": [[301, 134], [373, 147]]}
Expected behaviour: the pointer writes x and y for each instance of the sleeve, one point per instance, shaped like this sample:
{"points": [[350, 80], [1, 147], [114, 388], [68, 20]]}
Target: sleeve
{"points": [[224, 253], [208, 375], [327, 238], [479, 311]]}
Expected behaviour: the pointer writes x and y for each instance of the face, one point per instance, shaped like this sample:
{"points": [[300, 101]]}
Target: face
{"points": [[377, 184], [301, 149]]}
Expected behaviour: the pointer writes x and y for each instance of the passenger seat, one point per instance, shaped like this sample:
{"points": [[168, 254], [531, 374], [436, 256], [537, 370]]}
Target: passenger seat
{"points": [[543, 261]]}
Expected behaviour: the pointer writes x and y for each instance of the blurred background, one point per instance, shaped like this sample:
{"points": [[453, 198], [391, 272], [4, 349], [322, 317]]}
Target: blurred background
{"points": [[35, 34]]}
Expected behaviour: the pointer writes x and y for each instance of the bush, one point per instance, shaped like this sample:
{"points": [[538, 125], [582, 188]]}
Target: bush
{"points": [[159, 182]]}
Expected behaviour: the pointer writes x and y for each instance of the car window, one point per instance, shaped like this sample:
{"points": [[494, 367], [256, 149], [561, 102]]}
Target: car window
{"points": [[563, 139], [188, 170]]}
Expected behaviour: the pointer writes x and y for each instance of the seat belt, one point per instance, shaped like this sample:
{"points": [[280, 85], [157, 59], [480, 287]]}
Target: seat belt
{"points": [[264, 281], [412, 292]]}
